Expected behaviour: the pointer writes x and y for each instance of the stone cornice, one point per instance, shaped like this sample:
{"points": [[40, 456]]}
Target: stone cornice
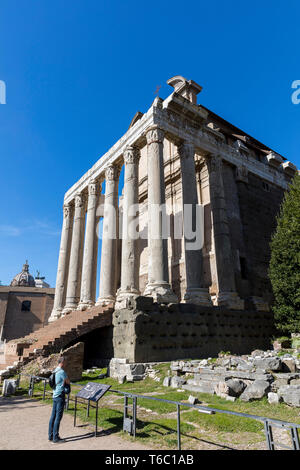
{"points": [[205, 142], [28, 290]]}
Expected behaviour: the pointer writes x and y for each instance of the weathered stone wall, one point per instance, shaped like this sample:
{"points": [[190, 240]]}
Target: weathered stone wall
{"points": [[148, 332], [236, 228], [259, 205]]}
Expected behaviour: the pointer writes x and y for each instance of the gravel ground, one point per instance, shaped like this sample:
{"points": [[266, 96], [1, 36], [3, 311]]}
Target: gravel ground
{"points": [[24, 426]]}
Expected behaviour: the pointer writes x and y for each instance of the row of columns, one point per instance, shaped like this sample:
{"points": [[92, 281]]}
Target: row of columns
{"points": [[74, 287]]}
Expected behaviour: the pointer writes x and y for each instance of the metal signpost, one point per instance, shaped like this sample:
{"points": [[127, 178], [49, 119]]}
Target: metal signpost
{"points": [[91, 392]]}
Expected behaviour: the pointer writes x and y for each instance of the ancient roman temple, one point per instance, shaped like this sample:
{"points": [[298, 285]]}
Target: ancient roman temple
{"points": [[188, 234]]}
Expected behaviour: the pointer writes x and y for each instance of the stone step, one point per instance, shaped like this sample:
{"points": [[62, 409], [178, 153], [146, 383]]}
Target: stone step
{"points": [[63, 330]]}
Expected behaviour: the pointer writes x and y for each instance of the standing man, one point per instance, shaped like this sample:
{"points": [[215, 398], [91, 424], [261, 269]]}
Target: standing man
{"points": [[61, 380]]}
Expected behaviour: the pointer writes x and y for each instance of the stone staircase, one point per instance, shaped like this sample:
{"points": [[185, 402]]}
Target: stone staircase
{"points": [[54, 336]]}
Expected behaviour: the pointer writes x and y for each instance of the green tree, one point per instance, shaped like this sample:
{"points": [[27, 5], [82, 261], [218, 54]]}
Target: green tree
{"points": [[284, 268]]}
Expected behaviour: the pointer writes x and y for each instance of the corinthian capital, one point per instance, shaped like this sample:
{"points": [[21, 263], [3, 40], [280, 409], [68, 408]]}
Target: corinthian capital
{"points": [[131, 155], [67, 208], [94, 188], [154, 134], [79, 201], [112, 173], [214, 163], [186, 149]]}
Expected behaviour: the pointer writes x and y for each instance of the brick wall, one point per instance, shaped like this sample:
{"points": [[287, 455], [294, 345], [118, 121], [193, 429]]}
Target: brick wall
{"points": [[20, 323]]}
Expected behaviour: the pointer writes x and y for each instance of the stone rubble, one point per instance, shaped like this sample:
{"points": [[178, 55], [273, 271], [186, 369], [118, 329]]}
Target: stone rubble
{"points": [[248, 377], [121, 370]]}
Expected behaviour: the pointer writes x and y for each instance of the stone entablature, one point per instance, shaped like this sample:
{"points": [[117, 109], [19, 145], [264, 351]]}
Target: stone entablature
{"points": [[205, 139]]}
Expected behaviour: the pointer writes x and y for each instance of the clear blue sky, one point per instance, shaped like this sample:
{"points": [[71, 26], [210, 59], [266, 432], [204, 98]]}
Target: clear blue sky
{"points": [[76, 72]]}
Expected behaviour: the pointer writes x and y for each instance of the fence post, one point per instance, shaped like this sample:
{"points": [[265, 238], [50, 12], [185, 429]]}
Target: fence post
{"points": [[96, 427], [178, 427], [75, 411], [44, 392], [134, 415], [67, 401]]}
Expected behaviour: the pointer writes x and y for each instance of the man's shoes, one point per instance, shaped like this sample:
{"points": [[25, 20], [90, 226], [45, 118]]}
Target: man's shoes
{"points": [[58, 441]]}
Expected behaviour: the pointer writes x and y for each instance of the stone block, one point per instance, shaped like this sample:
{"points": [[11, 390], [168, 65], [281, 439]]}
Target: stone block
{"points": [[9, 387], [235, 387], [137, 369], [289, 365], [274, 398], [291, 395], [279, 383], [229, 398], [193, 400], [268, 363], [221, 389], [295, 382], [177, 382], [134, 378], [255, 391], [167, 382], [203, 387]]}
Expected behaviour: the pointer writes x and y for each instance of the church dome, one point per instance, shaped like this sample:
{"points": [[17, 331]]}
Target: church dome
{"points": [[24, 278]]}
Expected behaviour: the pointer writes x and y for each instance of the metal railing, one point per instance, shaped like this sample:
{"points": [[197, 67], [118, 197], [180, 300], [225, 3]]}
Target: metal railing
{"points": [[129, 424]]}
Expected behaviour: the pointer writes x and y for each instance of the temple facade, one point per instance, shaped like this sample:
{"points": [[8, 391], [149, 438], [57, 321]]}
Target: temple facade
{"points": [[187, 171]]}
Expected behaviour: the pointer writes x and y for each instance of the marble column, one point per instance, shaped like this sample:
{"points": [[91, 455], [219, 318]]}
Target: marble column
{"points": [[196, 292], [129, 266], [107, 286], [227, 295], [75, 267], [86, 295], [158, 285], [63, 263]]}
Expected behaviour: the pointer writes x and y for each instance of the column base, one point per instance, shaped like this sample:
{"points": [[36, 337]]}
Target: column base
{"points": [[103, 301], [161, 293], [198, 296], [85, 305], [229, 300], [68, 309], [260, 304], [55, 315], [124, 298]]}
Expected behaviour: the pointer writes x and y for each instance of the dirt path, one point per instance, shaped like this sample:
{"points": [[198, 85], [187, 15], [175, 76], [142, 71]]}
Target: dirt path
{"points": [[24, 426]]}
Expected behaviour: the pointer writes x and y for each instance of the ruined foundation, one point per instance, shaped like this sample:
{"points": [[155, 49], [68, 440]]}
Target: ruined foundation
{"points": [[149, 332]]}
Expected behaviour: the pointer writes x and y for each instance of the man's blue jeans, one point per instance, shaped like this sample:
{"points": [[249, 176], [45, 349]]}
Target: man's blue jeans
{"points": [[57, 413]]}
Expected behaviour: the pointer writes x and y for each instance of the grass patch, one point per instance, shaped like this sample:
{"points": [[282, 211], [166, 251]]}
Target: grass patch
{"points": [[161, 431], [225, 423]]}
